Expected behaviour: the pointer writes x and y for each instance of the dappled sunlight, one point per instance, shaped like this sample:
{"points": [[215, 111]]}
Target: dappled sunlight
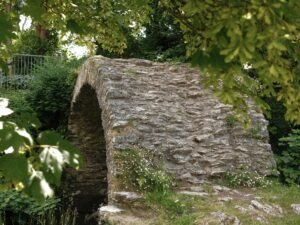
{"points": [[4, 111], [40, 185]]}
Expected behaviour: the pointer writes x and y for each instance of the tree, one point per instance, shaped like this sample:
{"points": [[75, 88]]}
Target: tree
{"points": [[245, 49], [29, 43], [91, 20], [160, 39], [227, 39]]}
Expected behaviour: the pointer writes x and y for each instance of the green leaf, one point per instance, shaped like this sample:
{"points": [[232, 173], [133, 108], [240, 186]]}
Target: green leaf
{"points": [[10, 138], [7, 27], [28, 120], [15, 168], [52, 164], [72, 155], [39, 187], [49, 138], [34, 9], [212, 58], [4, 110], [279, 46]]}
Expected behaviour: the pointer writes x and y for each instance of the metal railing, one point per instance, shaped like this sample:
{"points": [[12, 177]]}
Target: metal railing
{"points": [[20, 70]]}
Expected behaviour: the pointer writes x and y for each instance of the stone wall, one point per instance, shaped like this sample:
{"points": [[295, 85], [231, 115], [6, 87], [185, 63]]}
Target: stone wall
{"points": [[159, 107]]}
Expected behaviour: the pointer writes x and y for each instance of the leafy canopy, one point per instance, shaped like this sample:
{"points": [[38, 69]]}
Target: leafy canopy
{"points": [[245, 48]]}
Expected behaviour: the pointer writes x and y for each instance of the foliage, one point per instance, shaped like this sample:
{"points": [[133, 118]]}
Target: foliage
{"points": [[227, 39], [163, 39], [231, 120], [278, 127], [29, 43], [142, 170], [102, 21], [160, 39], [133, 47], [22, 109], [50, 92], [15, 82], [167, 202], [29, 164], [254, 132], [245, 177], [17, 208], [289, 160]]}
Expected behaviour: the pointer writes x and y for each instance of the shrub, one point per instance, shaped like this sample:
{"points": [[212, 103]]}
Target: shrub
{"points": [[142, 170], [15, 82], [244, 177], [51, 90], [289, 161], [17, 102]]}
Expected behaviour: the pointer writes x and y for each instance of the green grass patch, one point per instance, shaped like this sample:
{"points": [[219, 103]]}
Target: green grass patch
{"points": [[179, 209]]}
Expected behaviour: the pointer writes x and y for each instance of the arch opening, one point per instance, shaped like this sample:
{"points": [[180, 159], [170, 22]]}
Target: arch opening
{"points": [[86, 132]]}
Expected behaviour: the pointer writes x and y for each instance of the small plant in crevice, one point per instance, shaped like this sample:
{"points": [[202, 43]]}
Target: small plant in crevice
{"points": [[254, 132], [231, 120], [245, 177], [142, 170]]}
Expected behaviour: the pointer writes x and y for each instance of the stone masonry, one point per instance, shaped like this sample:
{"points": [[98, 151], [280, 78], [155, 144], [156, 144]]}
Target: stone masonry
{"points": [[122, 104]]}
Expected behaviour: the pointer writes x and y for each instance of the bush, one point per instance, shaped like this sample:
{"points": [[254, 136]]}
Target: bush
{"points": [[244, 177], [50, 92], [15, 82], [17, 102], [142, 170], [289, 161]]}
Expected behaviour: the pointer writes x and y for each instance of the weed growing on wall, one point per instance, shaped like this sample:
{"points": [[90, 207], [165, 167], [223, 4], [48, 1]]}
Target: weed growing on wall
{"points": [[231, 120], [254, 132], [144, 171]]}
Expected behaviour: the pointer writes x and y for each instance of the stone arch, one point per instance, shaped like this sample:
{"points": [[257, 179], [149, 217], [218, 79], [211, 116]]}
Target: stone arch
{"points": [[133, 103], [87, 133]]}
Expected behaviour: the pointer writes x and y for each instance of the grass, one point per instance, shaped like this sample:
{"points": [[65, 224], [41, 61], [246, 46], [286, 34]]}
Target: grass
{"points": [[179, 209]]}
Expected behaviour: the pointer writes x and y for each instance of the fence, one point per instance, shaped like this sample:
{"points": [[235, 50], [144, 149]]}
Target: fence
{"points": [[20, 70]]}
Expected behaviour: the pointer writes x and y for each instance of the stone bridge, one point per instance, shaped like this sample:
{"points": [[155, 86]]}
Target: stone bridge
{"points": [[122, 104]]}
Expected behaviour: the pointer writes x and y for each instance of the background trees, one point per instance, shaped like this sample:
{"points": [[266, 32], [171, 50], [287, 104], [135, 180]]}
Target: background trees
{"points": [[222, 37]]}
